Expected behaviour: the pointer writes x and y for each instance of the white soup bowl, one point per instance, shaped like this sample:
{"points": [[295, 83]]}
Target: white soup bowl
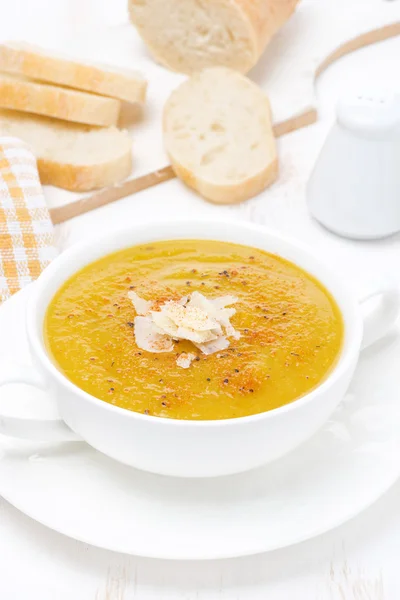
{"points": [[180, 447]]}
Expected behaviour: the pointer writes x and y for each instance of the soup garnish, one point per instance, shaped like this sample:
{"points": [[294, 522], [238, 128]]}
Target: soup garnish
{"points": [[194, 318]]}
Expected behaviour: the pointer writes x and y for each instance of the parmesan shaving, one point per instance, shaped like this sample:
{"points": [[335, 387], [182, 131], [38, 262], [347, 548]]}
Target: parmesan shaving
{"points": [[220, 343], [185, 360], [142, 307], [148, 339], [195, 318]]}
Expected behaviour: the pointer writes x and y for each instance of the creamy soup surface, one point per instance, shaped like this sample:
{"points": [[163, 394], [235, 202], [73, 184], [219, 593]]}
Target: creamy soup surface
{"points": [[291, 331]]}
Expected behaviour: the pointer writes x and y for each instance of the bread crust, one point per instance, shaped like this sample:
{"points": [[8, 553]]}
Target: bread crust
{"points": [[70, 156], [260, 19], [83, 178], [266, 18], [228, 194], [60, 103], [30, 61]]}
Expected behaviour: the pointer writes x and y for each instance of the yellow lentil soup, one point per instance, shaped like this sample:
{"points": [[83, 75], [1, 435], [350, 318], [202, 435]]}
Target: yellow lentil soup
{"points": [[291, 331]]}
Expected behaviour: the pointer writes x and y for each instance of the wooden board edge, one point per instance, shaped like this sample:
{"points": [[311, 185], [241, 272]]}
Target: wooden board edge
{"points": [[63, 213], [361, 41], [304, 119]]}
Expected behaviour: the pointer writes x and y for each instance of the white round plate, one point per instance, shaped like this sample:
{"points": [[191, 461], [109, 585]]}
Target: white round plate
{"points": [[79, 492]]}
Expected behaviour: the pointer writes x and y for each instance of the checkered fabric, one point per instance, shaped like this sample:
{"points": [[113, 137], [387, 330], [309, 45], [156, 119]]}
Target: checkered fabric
{"points": [[26, 230]]}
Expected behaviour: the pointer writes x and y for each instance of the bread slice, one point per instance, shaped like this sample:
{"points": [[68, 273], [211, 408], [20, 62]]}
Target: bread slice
{"points": [[190, 35], [58, 102], [218, 134], [71, 156], [31, 61]]}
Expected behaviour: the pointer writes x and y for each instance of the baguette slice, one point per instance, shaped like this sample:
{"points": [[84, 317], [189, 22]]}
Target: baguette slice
{"points": [[31, 61], [190, 35], [218, 135], [58, 102], [71, 156]]}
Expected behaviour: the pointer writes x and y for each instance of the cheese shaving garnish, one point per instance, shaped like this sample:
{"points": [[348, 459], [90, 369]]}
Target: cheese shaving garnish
{"points": [[184, 360], [220, 343], [142, 307], [195, 318], [148, 339]]}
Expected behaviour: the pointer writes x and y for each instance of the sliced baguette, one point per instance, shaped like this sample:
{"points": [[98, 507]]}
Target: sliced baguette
{"points": [[31, 61], [57, 102], [71, 156], [190, 35], [218, 135]]}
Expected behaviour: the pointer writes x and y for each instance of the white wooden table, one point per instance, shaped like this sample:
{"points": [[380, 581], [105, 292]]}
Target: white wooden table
{"points": [[358, 561]]}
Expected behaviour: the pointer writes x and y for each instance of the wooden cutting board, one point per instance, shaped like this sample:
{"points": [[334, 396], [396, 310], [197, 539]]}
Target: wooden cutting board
{"points": [[320, 32]]}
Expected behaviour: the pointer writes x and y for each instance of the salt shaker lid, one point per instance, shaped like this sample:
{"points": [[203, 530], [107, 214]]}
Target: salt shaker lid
{"points": [[370, 113]]}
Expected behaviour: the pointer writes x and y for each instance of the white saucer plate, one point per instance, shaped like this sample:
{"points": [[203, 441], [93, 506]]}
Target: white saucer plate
{"points": [[77, 491]]}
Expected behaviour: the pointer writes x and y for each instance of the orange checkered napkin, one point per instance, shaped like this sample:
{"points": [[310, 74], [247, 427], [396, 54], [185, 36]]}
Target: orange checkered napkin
{"points": [[26, 230]]}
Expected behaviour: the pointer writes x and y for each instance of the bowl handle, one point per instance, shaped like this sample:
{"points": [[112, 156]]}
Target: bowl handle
{"points": [[44, 430], [382, 317]]}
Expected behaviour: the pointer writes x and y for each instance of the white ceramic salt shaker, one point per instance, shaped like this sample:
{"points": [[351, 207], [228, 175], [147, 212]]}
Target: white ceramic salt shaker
{"points": [[354, 189]]}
